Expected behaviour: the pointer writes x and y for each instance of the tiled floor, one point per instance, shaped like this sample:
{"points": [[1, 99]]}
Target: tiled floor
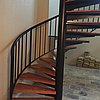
{"points": [[81, 83]]}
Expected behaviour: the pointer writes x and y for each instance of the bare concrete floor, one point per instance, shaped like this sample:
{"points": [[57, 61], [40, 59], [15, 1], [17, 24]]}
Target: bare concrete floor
{"points": [[81, 83]]}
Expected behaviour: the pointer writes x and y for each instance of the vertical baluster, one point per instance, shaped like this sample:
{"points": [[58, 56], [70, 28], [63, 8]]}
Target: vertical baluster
{"points": [[99, 6], [22, 54], [12, 72], [77, 19], [94, 9], [45, 38], [30, 47], [26, 51], [50, 37], [40, 43], [55, 32], [93, 20], [83, 19], [98, 17], [15, 60], [18, 65], [88, 19], [35, 43]]}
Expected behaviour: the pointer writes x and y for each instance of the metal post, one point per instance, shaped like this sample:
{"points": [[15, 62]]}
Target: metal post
{"points": [[60, 52], [11, 73]]}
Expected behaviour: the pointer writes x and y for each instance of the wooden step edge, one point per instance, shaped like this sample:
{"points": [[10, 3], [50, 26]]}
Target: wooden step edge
{"points": [[83, 33], [82, 2], [83, 41], [44, 70], [83, 23], [25, 88], [42, 66], [69, 48], [83, 11], [75, 42], [41, 98], [73, 31], [68, 0], [50, 61], [37, 78], [73, 4]]}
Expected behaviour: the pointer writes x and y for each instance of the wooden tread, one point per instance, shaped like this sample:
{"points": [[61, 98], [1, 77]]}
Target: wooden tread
{"points": [[82, 25], [73, 4], [75, 42], [80, 14], [78, 34], [50, 61], [42, 69], [37, 78], [69, 48], [83, 12], [24, 88], [33, 99]]}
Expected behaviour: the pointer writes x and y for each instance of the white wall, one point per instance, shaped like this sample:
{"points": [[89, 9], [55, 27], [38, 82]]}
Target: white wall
{"points": [[53, 7], [15, 17], [42, 8]]}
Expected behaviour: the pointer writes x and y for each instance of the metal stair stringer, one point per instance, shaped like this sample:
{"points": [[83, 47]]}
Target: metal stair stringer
{"points": [[43, 84], [75, 27]]}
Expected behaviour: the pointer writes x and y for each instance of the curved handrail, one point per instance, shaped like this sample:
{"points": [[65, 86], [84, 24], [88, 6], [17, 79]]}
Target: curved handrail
{"points": [[33, 43], [34, 27]]}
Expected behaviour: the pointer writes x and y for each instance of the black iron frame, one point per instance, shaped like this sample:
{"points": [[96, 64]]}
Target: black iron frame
{"points": [[60, 51], [17, 49], [24, 43]]}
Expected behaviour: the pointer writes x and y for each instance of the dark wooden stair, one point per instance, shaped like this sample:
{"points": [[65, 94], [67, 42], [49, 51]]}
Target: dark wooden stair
{"points": [[70, 47], [25, 88], [73, 4], [44, 76], [42, 69], [75, 42], [83, 25], [79, 34], [49, 61], [33, 98], [80, 14], [47, 83], [37, 78]]}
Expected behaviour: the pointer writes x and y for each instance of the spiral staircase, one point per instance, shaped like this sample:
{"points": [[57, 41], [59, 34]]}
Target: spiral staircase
{"points": [[37, 55]]}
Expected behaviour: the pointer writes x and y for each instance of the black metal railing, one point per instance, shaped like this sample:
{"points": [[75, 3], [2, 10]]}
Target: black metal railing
{"points": [[60, 51], [31, 45], [38, 41], [61, 41], [87, 19]]}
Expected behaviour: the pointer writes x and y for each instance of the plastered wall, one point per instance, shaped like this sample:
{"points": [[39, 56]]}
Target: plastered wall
{"points": [[15, 17]]}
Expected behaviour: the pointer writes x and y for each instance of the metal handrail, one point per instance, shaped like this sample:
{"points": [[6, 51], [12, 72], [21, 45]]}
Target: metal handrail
{"points": [[30, 46]]}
